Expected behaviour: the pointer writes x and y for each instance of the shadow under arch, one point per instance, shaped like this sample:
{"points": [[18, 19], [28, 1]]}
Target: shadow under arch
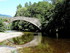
{"points": [[26, 26]]}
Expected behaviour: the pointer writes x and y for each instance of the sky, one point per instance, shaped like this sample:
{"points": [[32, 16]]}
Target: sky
{"points": [[8, 7]]}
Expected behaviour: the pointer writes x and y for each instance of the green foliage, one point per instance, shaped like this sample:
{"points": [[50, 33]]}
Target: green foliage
{"points": [[61, 17], [13, 51], [23, 26], [30, 3], [41, 10], [60, 20], [21, 11], [2, 25], [52, 16], [26, 4], [19, 6], [56, 1]]}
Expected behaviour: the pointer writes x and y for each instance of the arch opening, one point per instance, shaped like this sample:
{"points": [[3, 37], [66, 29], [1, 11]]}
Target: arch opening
{"points": [[22, 25]]}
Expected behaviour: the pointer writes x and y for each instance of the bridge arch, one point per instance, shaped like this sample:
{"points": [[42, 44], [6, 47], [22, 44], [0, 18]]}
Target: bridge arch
{"points": [[23, 25], [34, 21]]}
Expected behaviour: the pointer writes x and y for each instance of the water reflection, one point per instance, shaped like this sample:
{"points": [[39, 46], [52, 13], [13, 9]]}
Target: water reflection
{"points": [[8, 49], [58, 46], [10, 31]]}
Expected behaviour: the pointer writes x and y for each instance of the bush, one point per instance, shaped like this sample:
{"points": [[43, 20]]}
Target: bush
{"points": [[2, 26]]}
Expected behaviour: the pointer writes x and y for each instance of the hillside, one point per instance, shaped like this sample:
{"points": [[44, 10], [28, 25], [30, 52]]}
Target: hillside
{"points": [[3, 15]]}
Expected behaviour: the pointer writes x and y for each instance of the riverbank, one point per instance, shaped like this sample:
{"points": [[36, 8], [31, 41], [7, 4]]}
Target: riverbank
{"points": [[9, 35], [36, 41]]}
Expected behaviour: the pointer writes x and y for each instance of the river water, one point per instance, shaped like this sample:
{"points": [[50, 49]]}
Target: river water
{"points": [[58, 45]]}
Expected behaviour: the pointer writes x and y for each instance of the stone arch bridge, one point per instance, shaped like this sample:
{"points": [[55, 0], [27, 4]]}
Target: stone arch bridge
{"points": [[34, 21]]}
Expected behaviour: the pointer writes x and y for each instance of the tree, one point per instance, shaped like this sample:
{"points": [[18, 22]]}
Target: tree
{"points": [[40, 10], [26, 4], [30, 3], [19, 6], [56, 1], [60, 20], [21, 11]]}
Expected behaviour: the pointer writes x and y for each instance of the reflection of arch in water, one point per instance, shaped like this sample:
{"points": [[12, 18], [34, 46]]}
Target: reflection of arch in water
{"points": [[25, 26], [34, 21]]}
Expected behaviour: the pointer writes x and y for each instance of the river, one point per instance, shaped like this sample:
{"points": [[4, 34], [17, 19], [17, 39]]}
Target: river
{"points": [[59, 45]]}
